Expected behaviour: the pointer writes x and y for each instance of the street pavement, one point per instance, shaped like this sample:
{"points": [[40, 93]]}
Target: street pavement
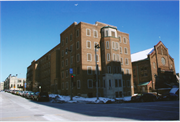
{"points": [[17, 108]]}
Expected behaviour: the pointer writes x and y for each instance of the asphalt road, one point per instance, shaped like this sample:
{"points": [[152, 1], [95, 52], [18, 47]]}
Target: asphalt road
{"points": [[16, 108]]}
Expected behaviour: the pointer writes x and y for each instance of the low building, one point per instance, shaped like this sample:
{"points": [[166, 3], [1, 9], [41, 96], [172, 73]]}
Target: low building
{"points": [[1, 86], [14, 83], [153, 69]]}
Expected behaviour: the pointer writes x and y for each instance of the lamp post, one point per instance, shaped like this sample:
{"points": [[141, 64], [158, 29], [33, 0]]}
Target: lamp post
{"points": [[96, 46], [70, 75]]}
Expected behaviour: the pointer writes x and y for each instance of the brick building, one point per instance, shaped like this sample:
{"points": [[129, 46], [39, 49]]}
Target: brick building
{"points": [[113, 59], [153, 69]]}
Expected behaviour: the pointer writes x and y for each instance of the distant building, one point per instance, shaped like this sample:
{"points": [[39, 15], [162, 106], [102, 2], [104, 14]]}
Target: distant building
{"points": [[153, 69], [1, 86], [14, 83], [51, 71]]}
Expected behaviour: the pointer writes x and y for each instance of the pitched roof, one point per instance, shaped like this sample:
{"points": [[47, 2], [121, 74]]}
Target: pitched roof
{"points": [[141, 55]]}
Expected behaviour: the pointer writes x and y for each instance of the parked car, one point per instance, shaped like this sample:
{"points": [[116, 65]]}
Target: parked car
{"points": [[25, 94], [29, 95], [41, 96], [169, 96], [145, 97]]}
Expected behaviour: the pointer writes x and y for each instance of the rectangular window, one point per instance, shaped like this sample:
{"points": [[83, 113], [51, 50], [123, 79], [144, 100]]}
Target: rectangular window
{"points": [[112, 33], [88, 44], [66, 62], [120, 48], [95, 34], [62, 53], [113, 45], [120, 94], [108, 69], [89, 57], [67, 85], [78, 57], [116, 83], [78, 70], [88, 32], [107, 44], [108, 57], [70, 37], [114, 57], [106, 32], [126, 61], [89, 70], [110, 85], [62, 74], [78, 84], [62, 63], [77, 45], [121, 61], [77, 33], [66, 40], [117, 45], [71, 48], [90, 83], [67, 73], [125, 50], [120, 83]]}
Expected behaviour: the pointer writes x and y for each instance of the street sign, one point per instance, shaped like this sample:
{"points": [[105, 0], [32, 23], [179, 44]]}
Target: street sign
{"points": [[71, 70], [24, 85]]}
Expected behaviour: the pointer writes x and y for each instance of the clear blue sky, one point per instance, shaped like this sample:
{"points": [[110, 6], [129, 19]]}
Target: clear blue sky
{"points": [[30, 29]]}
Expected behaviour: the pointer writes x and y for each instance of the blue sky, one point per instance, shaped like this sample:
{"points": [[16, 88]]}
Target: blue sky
{"points": [[30, 29]]}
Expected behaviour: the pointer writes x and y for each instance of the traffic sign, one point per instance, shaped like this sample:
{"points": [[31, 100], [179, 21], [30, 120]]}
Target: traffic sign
{"points": [[71, 70], [24, 85]]}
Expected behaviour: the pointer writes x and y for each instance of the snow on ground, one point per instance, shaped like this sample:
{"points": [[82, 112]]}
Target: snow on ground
{"points": [[62, 99]]}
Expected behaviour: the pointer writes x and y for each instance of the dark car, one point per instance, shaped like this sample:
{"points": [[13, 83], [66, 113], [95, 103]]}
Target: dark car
{"points": [[29, 95], [169, 96], [41, 96], [145, 97]]}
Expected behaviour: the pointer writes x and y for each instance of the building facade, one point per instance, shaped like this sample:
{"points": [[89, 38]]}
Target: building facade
{"points": [[77, 51], [1, 86], [153, 69], [14, 83]]}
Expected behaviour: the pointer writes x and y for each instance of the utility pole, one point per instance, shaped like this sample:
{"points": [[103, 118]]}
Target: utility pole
{"points": [[96, 46]]}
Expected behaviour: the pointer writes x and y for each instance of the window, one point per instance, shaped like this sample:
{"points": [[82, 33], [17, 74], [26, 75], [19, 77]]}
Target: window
{"points": [[117, 57], [114, 57], [120, 94], [78, 70], [62, 42], [11, 85], [113, 45], [110, 84], [119, 37], [66, 51], [120, 83], [62, 53], [90, 83], [117, 45], [71, 48], [67, 85], [126, 61], [67, 73], [62, 63], [127, 71], [62, 85], [77, 45], [121, 61], [89, 70], [71, 59], [108, 57], [97, 57], [66, 40], [108, 69], [66, 62], [112, 33], [163, 60], [107, 45], [88, 32], [78, 57], [125, 42], [104, 82], [62, 74], [120, 48], [125, 50], [19, 81], [88, 44], [78, 84], [71, 37], [106, 33], [89, 57], [77, 33], [95, 34], [116, 83]]}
